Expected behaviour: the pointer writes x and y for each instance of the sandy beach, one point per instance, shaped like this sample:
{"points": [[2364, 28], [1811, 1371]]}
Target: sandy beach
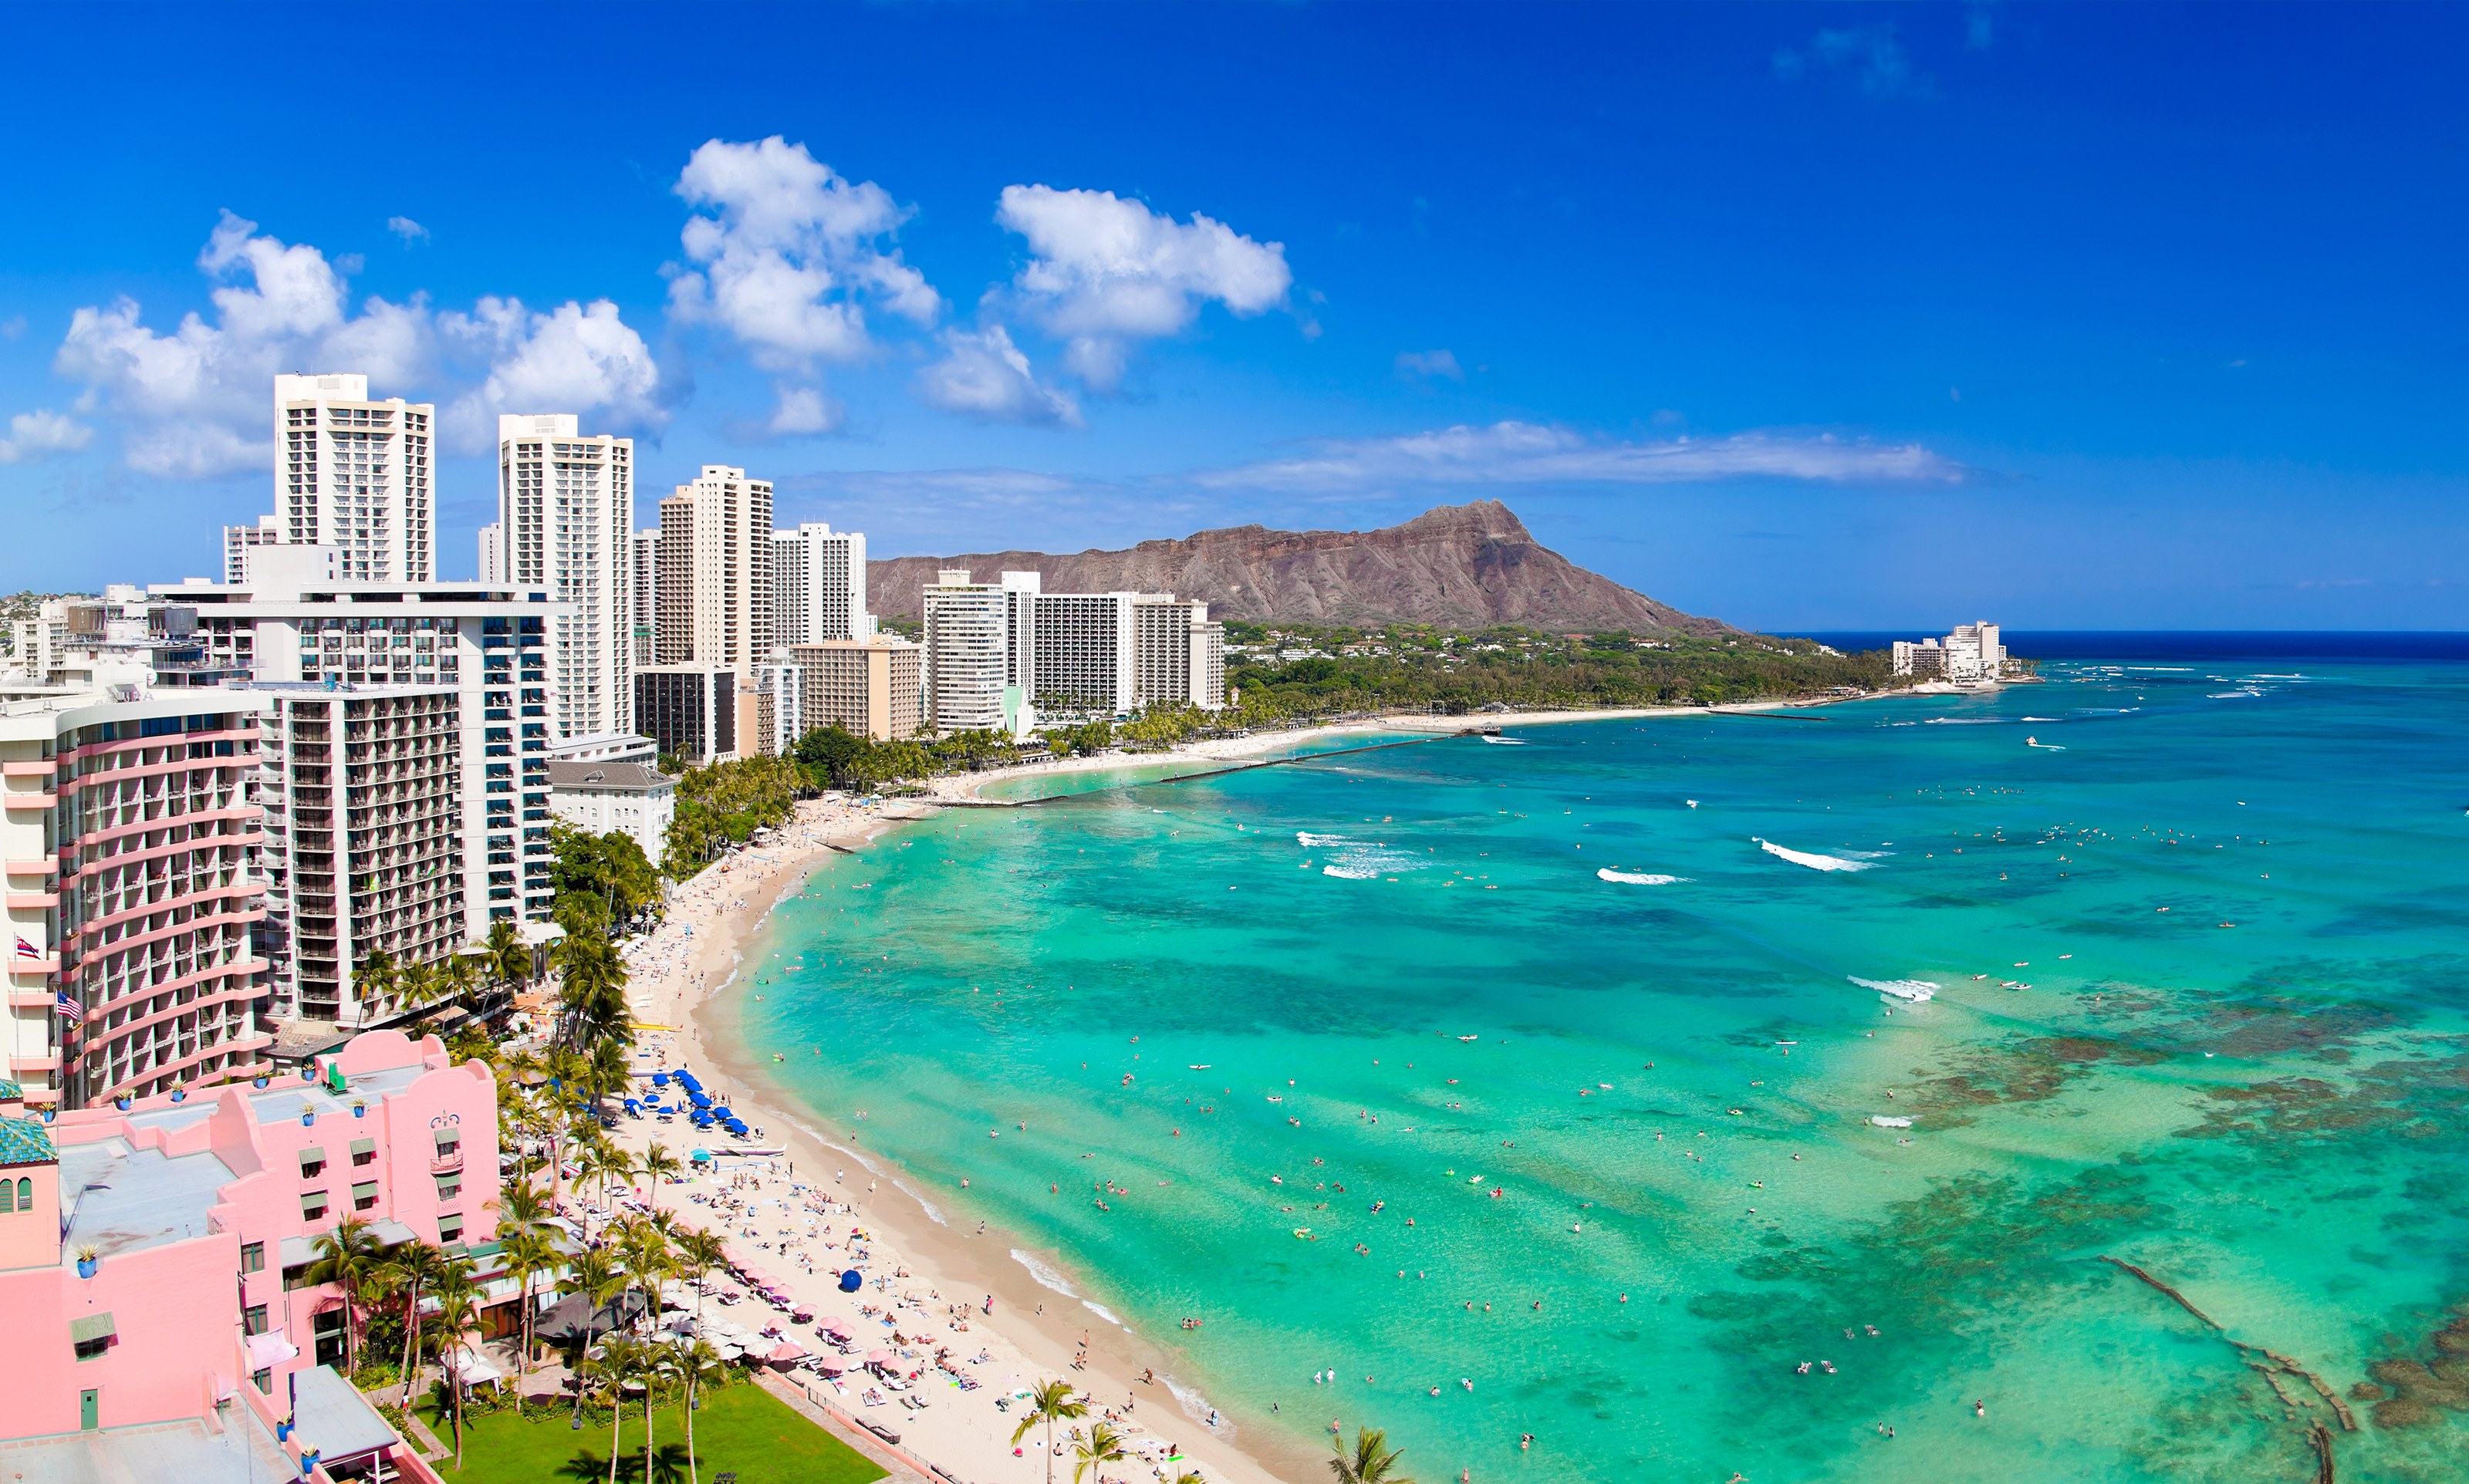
{"points": [[928, 1283], [939, 1287]]}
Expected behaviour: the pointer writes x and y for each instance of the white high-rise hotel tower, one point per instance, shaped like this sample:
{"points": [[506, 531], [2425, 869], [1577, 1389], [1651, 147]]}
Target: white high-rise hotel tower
{"points": [[354, 475], [565, 521]]}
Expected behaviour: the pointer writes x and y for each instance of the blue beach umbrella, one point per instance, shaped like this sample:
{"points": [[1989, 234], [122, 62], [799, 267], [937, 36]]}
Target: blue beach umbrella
{"points": [[700, 1099], [852, 1280], [701, 1156], [722, 1112], [660, 1078]]}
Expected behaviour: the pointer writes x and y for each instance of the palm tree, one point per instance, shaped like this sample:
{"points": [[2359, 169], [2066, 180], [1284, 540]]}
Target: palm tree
{"points": [[527, 1254], [508, 960], [597, 1279], [697, 1254], [1102, 1446], [1049, 1404], [1371, 1461], [458, 1314], [652, 1364], [347, 1257], [415, 985], [657, 1164], [376, 977], [414, 1268], [616, 1365], [697, 1363], [522, 1207]]}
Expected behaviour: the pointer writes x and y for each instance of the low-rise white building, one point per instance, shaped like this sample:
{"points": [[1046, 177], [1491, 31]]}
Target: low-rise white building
{"points": [[629, 798]]}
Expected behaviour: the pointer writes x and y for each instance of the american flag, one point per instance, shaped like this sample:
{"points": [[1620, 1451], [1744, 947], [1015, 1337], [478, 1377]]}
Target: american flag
{"points": [[69, 1010]]}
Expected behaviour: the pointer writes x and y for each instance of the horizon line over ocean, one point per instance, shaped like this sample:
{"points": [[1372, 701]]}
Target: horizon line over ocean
{"points": [[2205, 643]]}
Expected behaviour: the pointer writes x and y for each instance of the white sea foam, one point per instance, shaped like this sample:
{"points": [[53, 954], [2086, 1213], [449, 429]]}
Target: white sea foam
{"points": [[1310, 841], [1913, 990], [1867, 855], [1967, 721], [1046, 1277], [932, 1213], [1638, 877], [1889, 1120], [1195, 1405], [1102, 1312], [1801, 857], [1363, 860]]}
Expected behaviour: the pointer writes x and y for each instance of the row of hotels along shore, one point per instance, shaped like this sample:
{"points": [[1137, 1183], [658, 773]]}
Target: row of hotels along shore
{"points": [[218, 797]]}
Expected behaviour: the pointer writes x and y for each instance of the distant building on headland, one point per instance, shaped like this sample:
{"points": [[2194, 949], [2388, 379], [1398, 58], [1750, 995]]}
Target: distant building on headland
{"points": [[1971, 654]]}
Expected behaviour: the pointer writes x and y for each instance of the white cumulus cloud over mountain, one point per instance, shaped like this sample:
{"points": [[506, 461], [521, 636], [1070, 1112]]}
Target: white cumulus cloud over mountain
{"points": [[1109, 272]]}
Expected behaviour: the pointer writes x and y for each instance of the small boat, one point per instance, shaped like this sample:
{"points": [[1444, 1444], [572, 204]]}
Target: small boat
{"points": [[1200, 1066], [1469, 1038], [1692, 803], [1498, 740]]}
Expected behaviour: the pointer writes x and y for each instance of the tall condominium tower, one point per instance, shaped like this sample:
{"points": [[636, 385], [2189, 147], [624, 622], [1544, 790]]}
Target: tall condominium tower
{"points": [[713, 590], [819, 585], [980, 656], [566, 519], [647, 587], [492, 554], [354, 476]]}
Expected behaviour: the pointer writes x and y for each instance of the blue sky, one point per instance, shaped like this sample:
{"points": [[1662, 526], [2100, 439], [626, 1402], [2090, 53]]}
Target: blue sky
{"points": [[1841, 316]]}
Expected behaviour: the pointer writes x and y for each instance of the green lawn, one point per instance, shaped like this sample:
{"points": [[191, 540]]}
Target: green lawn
{"points": [[742, 1429]]}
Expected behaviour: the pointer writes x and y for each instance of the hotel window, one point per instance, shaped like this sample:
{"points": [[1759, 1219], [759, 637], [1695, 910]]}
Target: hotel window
{"points": [[92, 1334], [450, 1186], [312, 1161], [450, 1228], [364, 1152], [252, 1257], [313, 1205], [252, 1319], [364, 1195], [263, 1380]]}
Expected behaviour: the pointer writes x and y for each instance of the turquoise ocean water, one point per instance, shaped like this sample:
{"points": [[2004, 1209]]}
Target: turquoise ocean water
{"points": [[1616, 1133]]}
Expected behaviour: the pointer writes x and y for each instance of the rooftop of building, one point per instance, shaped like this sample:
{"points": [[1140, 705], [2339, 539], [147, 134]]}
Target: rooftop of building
{"points": [[117, 1198], [615, 777], [190, 1451], [25, 1141]]}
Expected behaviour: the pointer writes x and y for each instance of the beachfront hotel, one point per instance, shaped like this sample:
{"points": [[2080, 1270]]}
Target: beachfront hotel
{"points": [[980, 659], [1971, 654], [153, 1260], [873, 687], [690, 711], [129, 831], [349, 473], [566, 522]]}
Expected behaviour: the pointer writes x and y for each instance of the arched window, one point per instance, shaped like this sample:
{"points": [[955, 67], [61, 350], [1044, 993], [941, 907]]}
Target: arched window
{"points": [[26, 1194], [8, 1196]]}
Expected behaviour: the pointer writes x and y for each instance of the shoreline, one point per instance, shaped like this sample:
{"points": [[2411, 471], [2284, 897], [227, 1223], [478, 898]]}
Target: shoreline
{"points": [[681, 971], [1034, 1329], [966, 788]]}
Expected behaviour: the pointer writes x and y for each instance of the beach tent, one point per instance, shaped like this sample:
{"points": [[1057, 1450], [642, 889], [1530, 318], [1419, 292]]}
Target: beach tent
{"points": [[852, 1280]]}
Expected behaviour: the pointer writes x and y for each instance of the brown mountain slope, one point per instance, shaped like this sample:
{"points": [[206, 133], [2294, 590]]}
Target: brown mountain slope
{"points": [[1463, 566]]}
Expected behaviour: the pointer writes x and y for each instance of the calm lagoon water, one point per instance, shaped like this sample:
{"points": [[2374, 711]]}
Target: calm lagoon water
{"points": [[2197, 962]]}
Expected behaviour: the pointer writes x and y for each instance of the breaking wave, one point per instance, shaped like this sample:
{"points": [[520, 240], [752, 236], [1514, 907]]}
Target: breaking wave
{"points": [[1801, 857], [1638, 877], [1046, 1277]]}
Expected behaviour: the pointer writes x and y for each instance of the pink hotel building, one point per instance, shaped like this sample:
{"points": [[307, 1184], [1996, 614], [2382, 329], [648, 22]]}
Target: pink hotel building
{"points": [[151, 1257]]}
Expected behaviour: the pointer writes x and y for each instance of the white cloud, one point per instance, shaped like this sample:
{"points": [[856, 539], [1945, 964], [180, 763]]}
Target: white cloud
{"points": [[1430, 363], [195, 402], [1526, 453], [804, 411], [1109, 272], [36, 435], [787, 261], [411, 231], [984, 376], [574, 359]]}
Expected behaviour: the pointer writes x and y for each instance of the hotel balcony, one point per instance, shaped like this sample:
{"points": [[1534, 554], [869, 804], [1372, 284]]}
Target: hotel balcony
{"points": [[445, 1164]]}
